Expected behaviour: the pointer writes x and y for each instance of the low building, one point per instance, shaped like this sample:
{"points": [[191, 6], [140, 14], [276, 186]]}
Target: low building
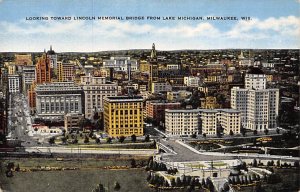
{"points": [[191, 81], [158, 87], [178, 95], [123, 116], [72, 120], [155, 109]]}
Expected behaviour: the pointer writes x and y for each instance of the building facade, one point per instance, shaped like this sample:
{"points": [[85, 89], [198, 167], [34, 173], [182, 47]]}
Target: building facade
{"points": [[14, 84], [157, 87], [54, 100], [259, 106], [71, 121], [95, 90], [123, 116], [28, 77], [155, 109], [205, 121]]}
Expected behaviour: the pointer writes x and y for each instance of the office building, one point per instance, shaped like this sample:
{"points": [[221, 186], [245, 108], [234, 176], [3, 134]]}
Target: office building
{"points": [[258, 105], [23, 59], [54, 100], [28, 77], [121, 63], [158, 87], [123, 116], [95, 90], [65, 72], [14, 84], [191, 81]]}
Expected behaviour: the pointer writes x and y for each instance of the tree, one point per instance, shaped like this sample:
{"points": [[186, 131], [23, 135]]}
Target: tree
{"points": [[51, 140], [133, 163], [97, 140], [121, 139], [64, 132], [117, 186], [266, 131], [147, 138], [194, 136], [173, 183], [108, 140], [86, 139], [204, 135], [254, 163], [277, 130], [231, 133], [64, 140], [133, 138], [255, 132]]}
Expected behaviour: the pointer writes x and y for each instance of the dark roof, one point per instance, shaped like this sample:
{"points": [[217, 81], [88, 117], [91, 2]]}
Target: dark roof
{"points": [[255, 70]]}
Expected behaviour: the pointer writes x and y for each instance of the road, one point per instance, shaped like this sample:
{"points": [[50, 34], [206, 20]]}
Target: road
{"points": [[20, 126], [185, 154]]}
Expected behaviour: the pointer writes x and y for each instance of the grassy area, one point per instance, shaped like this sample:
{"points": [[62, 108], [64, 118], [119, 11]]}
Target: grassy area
{"points": [[76, 180]]}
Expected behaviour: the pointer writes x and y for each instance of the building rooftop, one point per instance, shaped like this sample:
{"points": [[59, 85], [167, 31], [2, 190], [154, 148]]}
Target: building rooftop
{"points": [[255, 70]]}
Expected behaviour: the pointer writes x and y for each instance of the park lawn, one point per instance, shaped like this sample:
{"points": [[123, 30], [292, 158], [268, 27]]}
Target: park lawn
{"points": [[76, 180]]}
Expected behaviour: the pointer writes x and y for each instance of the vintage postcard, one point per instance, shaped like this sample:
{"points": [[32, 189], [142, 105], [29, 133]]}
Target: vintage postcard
{"points": [[150, 95]]}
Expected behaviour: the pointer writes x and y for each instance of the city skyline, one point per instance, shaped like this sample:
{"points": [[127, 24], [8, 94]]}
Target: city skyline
{"points": [[273, 24]]}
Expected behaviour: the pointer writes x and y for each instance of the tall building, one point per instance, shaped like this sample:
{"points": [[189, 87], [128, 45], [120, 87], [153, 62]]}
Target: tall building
{"points": [[42, 75], [54, 100], [52, 56], [123, 116], [28, 77], [95, 90], [191, 81], [153, 68], [43, 70], [196, 121], [14, 83], [258, 105]]}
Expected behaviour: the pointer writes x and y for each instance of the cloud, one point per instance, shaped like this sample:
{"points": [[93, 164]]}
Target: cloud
{"points": [[260, 29], [98, 35]]}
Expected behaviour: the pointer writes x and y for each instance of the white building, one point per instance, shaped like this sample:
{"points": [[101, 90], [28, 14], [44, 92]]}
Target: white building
{"points": [[14, 83], [158, 87], [191, 81], [120, 63], [259, 106], [54, 100], [196, 121], [95, 89]]}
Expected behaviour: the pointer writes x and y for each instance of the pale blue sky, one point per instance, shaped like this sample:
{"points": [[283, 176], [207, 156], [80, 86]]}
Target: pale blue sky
{"points": [[274, 24]]}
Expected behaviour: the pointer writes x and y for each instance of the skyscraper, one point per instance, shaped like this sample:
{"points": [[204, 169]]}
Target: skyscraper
{"points": [[258, 105], [153, 66]]}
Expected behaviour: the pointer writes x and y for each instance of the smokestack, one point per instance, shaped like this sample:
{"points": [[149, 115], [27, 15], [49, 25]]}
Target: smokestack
{"points": [[111, 74]]}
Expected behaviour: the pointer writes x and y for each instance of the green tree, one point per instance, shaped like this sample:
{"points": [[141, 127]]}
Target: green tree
{"points": [[51, 140], [108, 140], [147, 138], [266, 131], [231, 133], [133, 138], [86, 139], [117, 186], [64, 140], [121, 139], [255, 132]]}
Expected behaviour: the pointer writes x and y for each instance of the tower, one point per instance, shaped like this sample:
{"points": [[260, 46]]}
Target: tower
{"points": [[153, 68]]}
